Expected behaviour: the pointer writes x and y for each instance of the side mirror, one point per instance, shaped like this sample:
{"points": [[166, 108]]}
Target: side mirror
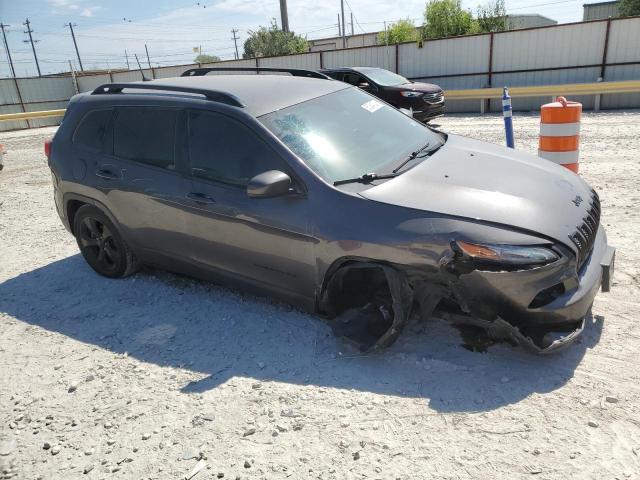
{"points": [[269, 184], [363, 85]]}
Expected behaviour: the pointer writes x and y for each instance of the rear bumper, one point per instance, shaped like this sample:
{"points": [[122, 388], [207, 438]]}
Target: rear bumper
{"points": [[59, 202]]}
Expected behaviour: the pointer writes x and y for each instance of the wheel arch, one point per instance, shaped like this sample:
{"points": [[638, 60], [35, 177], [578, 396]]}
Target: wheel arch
{"points": [[73, 202], [351, 262], [351, 285]]}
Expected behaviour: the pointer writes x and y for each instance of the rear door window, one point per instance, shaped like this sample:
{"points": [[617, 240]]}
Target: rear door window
{"points": [[224, 150], [146, 135], [95, 131]]}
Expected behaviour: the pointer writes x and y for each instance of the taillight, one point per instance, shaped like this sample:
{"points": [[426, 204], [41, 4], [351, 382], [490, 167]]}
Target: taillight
{"points": [[47, 148]]}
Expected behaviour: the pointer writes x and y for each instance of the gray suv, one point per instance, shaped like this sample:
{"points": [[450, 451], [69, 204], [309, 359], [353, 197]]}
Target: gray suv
{"points": [[320, 194]]}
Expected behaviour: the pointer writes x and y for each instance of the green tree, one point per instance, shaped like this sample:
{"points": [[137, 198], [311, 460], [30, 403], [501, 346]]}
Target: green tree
{"points": [[629, 8], [207, 58], [492, 16], [266, 42], [401, 31], [446, 18]]}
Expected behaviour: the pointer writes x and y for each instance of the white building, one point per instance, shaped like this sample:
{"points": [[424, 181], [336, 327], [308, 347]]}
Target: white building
{"points": [[528, 20]]}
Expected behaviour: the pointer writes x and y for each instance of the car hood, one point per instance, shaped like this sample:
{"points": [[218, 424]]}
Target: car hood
{"points": [[418, 87], [487, 182]]}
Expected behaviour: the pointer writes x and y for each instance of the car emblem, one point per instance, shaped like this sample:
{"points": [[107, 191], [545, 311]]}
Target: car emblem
{"points": [[577, 201]]}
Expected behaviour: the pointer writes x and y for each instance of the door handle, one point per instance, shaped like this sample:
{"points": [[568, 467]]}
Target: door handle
{"points": [[106, 174], [200, 198]]}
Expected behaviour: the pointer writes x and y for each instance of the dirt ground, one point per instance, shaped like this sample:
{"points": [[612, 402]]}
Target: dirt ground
{"points": [[142, 378]]}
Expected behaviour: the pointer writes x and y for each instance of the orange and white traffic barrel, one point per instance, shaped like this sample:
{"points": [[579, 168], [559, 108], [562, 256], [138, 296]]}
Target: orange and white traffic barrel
{"points": [[560, 132]]}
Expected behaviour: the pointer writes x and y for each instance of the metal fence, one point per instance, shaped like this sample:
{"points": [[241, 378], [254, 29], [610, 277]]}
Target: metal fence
{"points": [[560, 54]]}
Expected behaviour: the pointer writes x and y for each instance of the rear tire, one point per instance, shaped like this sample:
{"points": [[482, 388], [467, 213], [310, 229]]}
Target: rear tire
{"points": [[101, 245]]}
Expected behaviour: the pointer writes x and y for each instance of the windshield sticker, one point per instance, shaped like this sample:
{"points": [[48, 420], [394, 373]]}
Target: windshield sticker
{"points": [[372, 105]]}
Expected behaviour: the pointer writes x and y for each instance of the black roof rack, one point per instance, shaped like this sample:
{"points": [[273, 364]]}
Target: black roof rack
{"points": [[213, 95], [296, 72]]}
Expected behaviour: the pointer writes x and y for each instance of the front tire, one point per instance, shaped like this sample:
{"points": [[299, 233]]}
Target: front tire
{"points": [[101, 245]]}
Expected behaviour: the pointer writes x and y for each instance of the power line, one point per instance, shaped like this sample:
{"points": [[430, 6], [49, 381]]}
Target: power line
{"points": [[142, 37], [541, 4], [30, 31], [75, 44], [357, 23]]}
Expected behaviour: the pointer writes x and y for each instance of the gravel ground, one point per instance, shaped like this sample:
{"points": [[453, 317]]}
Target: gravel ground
{"points": [[154, 375]]}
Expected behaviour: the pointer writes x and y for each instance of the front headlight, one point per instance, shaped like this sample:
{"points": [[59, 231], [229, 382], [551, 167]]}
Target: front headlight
{"points": [[506, 257], [410, 94]]}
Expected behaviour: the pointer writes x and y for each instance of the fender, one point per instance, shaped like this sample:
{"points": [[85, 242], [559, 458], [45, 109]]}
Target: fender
{"points": [[91, 201]]}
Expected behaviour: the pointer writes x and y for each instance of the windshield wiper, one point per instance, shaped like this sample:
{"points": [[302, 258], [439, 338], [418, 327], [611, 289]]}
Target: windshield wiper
{"points": [[412, 156], [366, 178], [369, 177]]}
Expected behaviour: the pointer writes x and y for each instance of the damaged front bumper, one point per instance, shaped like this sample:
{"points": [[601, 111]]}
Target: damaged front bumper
{"points": [[508, 304]]}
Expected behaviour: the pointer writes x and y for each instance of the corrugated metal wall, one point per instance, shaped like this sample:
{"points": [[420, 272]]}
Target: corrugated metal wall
{"points": [[624, 46], [251, 62], [89, 82], [436, 62], [564, 46], [519, 58], [37, 94], [383, 57], [305, 60]]}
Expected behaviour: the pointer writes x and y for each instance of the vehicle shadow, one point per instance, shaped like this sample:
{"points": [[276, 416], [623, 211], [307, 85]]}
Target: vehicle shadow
{"points": [[174, 321]]}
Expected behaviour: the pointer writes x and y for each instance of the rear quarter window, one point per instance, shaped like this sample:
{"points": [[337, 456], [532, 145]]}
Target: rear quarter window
{"points": [[95, 131]]}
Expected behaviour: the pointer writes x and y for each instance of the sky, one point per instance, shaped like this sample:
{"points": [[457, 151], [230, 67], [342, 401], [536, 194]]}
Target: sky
{"points": [[171, 29]]}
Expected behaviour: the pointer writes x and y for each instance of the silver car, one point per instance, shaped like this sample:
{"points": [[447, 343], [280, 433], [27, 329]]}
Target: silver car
{"points": [[315, 192]]}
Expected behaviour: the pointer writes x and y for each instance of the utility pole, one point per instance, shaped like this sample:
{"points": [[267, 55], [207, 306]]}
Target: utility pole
{"points": [[27, 23], [344, 33], [144, 79], [148, 60], [351, 23], [6, 47], [339, 31], [73, 77], [235, 40], [126, 57], [75, 44], [284, 16]]}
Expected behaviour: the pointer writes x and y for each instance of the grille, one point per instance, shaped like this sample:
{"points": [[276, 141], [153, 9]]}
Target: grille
{"points": [[433, 97], [585, 234]]}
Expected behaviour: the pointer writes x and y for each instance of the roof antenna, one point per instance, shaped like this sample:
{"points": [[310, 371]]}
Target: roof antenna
{"points": [[144, 79]]}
